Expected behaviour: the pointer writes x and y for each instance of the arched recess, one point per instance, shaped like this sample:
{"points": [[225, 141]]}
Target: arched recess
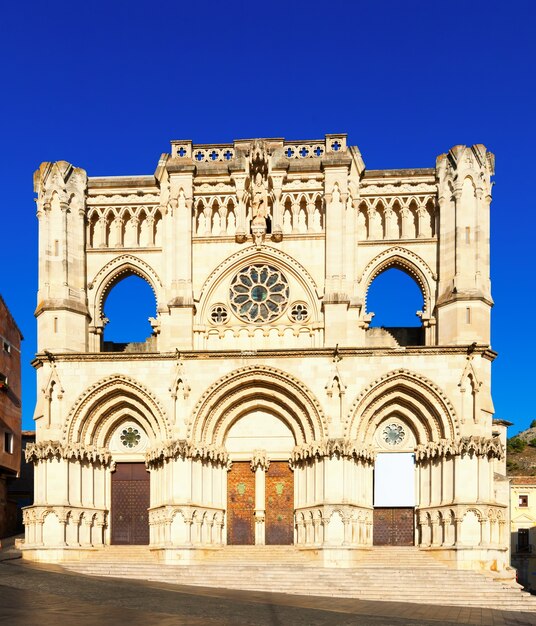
{"points": [[407, 261], [252, 388], [118, 268], [268, 255], [410, 397], [103, 406]]}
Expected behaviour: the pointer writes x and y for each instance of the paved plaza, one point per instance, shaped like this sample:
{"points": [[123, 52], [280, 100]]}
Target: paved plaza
{"points": [[47, 595]]}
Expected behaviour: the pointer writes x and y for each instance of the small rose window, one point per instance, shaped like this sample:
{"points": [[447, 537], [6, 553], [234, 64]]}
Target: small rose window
{"points": [[219, 314], [393, 434], [259, 293], [299, 312], [130, 437]]}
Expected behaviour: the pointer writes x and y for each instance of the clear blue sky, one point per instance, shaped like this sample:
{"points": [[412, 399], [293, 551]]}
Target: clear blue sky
{"points": [[106, 85]]}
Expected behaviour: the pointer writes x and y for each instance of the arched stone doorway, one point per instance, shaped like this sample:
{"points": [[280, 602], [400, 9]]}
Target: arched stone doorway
{"points": [[260, 482]]}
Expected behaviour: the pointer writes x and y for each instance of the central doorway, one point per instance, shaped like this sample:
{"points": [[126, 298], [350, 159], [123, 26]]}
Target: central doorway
{"points": [[130, 503], [260, 495], [394, 499]]}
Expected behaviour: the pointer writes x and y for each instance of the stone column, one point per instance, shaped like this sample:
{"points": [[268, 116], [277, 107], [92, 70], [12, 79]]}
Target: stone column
{"points": [[259, 465]]}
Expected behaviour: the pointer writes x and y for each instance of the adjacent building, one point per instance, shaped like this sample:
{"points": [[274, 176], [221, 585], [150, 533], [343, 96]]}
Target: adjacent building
{"points": [[265, 409], [10, 415], [523, 529]]}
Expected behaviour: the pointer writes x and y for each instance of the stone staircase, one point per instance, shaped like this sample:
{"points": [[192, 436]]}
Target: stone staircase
{"points": [[384, 574]]}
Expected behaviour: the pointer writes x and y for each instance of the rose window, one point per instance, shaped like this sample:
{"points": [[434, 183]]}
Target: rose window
{"points": [[393, 434], [130, 437], [259, 293]]}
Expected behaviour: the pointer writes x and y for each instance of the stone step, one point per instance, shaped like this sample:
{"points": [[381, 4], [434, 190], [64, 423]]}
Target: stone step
{"points": [[390, 574], [394, 583]]}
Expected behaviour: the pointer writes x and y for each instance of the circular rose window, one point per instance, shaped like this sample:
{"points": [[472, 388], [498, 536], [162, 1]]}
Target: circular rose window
{"points": [[393, 434], [259, 293]]}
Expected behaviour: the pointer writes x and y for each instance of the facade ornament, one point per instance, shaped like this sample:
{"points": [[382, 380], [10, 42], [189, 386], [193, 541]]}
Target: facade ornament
{"points": [[464, 446], [259, 460], [181, 448], [48, 450], [328, 448]]}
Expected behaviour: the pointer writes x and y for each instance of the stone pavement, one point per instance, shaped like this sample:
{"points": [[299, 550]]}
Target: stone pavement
{"points": [[47, 595]]}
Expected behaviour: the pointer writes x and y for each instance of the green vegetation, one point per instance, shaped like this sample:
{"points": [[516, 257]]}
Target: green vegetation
{"points": [[533, 424], [532, 442], [515, 444]]}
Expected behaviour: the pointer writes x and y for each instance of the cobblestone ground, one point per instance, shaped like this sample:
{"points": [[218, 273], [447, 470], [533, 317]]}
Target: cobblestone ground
{"points": [[49, 596]]}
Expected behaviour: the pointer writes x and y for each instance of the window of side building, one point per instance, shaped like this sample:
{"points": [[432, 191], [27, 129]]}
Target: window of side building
{"points": [[8, 442], [523, 501]]}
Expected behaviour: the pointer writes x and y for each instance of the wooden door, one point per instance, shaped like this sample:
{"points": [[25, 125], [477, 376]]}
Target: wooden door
{"points": [[279, 504], [394, 526], [130, 501], [241, 504]]}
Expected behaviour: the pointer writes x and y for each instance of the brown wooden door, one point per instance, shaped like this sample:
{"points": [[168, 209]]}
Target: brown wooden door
{"points": [[130, 501], [279, 504], [240, 504], [394, 526]]}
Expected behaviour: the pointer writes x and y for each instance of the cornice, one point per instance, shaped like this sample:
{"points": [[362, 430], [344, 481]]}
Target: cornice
{"points": [[196, 355]]}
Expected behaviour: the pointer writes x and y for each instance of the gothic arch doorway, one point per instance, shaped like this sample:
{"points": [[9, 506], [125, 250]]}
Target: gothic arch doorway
{"points": [[260, 484]]}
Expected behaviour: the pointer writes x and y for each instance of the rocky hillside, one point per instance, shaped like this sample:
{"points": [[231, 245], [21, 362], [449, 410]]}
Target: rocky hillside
{"points": [[521, 453]]}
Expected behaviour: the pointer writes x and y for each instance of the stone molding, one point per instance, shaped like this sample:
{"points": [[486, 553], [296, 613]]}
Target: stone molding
{"points": [[184, 449], [465, 446], [48, 450], [36, 514], [328, 448]]}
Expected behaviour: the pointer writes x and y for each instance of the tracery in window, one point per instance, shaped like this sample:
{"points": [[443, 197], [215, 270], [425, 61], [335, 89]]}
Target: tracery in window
{"points": [[259, 293]]}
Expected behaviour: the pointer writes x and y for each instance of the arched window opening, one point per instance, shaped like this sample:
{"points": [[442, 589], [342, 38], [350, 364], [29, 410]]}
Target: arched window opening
{"points": [[395, 299], [128, 307]]}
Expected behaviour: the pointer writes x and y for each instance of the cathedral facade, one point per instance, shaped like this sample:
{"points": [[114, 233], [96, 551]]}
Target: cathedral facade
{"points": [[264, 408]]}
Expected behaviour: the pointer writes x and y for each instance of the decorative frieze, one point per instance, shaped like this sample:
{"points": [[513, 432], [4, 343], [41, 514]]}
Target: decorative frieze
{"points": [[48, 450], [470, 446], [181, 448], [327, 448]]}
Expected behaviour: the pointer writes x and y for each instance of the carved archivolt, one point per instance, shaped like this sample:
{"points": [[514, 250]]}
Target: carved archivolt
{"points": [[407, 261], [413, 398], [183, 449], [252, 388], [465, 446], [48, 450], [95, 414], [328, 448]]}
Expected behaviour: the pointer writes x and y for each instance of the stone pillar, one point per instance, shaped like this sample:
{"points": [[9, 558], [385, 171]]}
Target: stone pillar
{"points": [[259, 465]]}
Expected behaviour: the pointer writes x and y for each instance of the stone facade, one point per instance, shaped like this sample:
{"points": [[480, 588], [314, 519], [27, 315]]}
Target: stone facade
{"points": [[260, 255]]}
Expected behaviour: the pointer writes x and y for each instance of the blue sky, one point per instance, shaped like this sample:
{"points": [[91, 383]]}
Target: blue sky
{"points": [[107, 85]]}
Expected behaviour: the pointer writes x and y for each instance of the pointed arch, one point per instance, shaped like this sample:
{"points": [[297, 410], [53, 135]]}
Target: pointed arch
{"points": [[269, 255], [118, 268], [109, 401], [407, 261], [252, 388], [415, 399]]}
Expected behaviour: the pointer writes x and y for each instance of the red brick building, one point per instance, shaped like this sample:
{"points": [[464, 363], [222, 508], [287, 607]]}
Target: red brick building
{"points": [[10, 415]]}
